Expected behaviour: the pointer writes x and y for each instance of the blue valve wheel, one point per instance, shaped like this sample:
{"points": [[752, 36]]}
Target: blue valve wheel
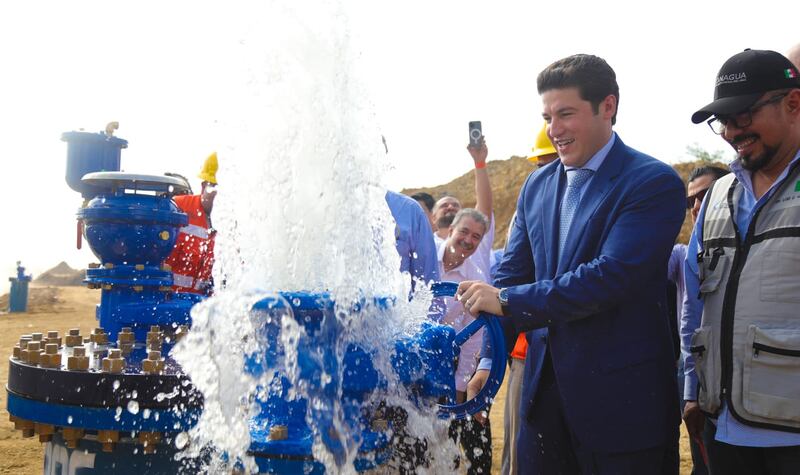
{"points": [[498, 369]]}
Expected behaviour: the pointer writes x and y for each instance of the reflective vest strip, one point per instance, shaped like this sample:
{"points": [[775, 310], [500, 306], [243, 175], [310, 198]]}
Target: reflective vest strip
{"points": [[180, 280], [195, 230]]}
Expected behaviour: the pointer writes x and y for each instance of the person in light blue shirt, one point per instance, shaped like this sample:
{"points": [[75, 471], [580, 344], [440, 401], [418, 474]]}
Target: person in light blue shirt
{"points": [[414, 238], [757, 111]]}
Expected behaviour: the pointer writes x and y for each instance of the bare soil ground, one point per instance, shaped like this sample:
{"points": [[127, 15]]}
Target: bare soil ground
{"points": [[62, 308], [49, 308]]}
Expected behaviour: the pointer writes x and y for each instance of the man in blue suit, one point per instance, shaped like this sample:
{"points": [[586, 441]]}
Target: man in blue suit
{"points": [[585, 275]]}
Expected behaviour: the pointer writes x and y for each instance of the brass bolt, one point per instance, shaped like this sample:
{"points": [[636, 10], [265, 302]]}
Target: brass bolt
{"points": [[114, 363], [154, 364], [149, 440], [139, 267], [50, 358], [108, 265], [78, 361], [278, 432], [106, 286], [45, 432], [53, 337], [99, 336], [166, 267], [183, 330], [137, 288], [125, 340], [27, 427], [31, 352], [108, 438], [165, 288], [164, 235], [154, 338], [72, 436], [94, 265], [74, 337], [379, 425], [92, 285]]}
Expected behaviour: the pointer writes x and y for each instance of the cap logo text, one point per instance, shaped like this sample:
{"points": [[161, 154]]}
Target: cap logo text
{"points": [[731, 78]]}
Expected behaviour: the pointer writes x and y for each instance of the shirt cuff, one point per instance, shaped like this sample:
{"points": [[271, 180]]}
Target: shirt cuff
{"points": [[486, 363], [690, 388]]}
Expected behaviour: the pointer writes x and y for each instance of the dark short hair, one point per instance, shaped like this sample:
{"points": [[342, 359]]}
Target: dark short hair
{"points": [[425, 198], [591, 75], [716, 172]]}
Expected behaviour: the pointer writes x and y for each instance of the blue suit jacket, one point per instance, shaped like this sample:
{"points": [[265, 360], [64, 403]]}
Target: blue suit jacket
{"points": [[602, 308]]}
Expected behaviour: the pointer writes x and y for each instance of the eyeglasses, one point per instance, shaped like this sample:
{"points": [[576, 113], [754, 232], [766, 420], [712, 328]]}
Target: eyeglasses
{"points": [[697, 196], [744, 119]]}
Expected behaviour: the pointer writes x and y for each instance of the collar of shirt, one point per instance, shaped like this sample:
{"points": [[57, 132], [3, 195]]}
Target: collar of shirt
{"points": [[599, 157], [467, 269], [744, 177]]}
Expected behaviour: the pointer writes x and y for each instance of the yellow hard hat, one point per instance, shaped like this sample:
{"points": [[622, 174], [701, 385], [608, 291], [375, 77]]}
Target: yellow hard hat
{"points": [[209, 171], [543, 145]]}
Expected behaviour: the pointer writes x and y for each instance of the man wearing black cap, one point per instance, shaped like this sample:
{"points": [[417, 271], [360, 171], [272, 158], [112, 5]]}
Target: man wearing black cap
{"points": [[743, 275]]}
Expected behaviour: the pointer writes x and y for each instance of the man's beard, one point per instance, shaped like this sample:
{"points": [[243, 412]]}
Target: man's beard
{"points": [[754, 163], [445, 221]]}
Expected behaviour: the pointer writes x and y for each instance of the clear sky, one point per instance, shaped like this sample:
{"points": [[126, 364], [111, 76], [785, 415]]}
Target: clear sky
{"points": [[168, 70]]}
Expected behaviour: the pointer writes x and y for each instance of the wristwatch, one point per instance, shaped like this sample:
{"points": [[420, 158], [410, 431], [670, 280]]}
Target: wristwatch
{"points": [[503, 298]]}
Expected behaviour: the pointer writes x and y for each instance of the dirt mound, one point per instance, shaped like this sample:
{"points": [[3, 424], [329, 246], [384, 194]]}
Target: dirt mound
{"points": [[62, 275], [507, 177]]}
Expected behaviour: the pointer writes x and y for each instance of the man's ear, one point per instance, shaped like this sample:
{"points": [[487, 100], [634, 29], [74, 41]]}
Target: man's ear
{"points": [[793, 104], [608, 107]]}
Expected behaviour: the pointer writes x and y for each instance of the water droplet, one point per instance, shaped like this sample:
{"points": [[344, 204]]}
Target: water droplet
{"points": [[134, 394], [160, 397], [296, 302], [181, 440], [69, 419], [115, 385], [118, 414], [133, 407], [146, 413]]}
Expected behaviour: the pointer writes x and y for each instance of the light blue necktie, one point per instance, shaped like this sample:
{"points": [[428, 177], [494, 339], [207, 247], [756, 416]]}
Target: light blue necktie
{"points": [[569, 203]]}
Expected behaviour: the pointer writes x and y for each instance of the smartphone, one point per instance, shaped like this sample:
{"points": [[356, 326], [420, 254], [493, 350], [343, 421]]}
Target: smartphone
{"points": [[475, 133]]}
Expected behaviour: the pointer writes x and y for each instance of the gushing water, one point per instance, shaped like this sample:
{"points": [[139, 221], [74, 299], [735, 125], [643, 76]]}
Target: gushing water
{"points": [[301, 207]]}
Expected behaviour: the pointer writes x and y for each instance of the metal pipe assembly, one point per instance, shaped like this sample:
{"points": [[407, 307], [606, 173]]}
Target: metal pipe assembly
{"points": [[115, 401]]}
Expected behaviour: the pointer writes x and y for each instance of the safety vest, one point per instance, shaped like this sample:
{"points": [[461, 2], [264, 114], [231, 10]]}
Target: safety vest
{"points": [[193, 256], [747, 349]]}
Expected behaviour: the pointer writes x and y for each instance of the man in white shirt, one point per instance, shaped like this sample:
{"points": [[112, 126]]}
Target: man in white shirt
{"points": [[466, 236]]}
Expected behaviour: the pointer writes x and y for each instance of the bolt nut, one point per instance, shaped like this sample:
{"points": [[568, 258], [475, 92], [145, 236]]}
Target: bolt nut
{"points": [[27, 427], [36, 336], [31, 352], [74, 337], [108, 438], [149, 440], [154, 364], [16, 352], [78, 361], [53, 337], [50, 358], [99, 336], [72, 436], [94, 265], [114, 363], [108, 265], [45, 432], [278, 432], [379, 425]]}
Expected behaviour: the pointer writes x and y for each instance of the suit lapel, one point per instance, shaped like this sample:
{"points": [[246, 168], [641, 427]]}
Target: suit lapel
{"points": [[596, 192], [552, 199]]}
